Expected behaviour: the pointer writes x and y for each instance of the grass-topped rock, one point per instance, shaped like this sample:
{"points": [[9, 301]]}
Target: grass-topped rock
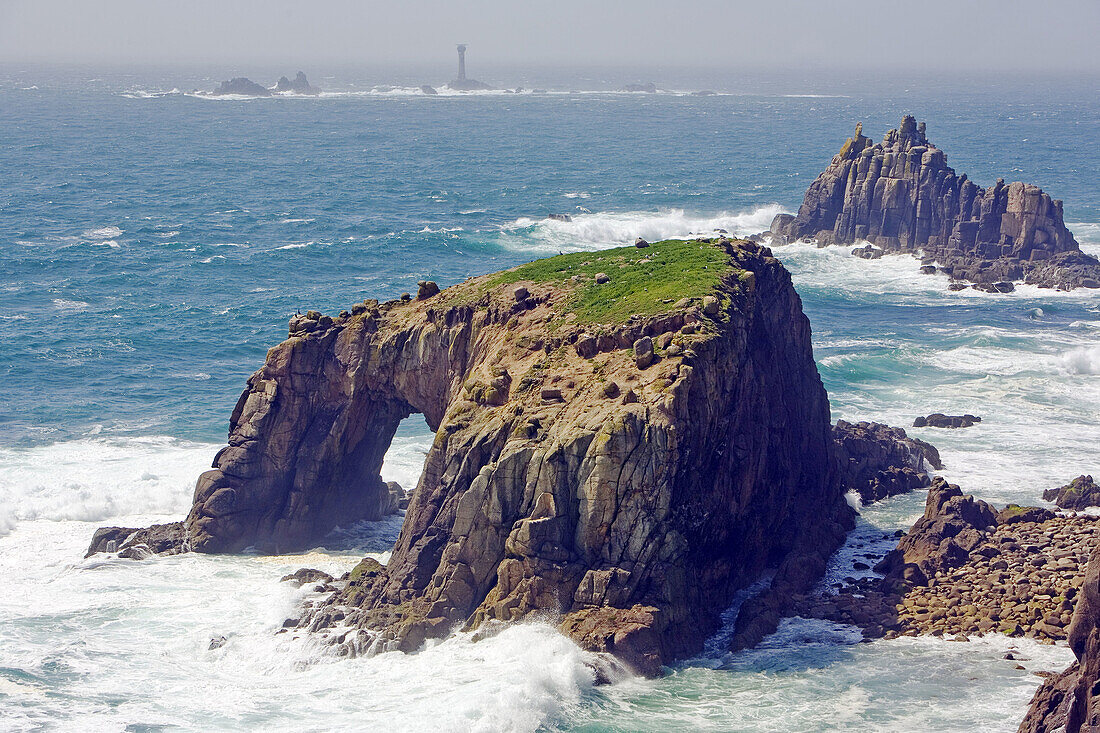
{"points": [[624, 439]]}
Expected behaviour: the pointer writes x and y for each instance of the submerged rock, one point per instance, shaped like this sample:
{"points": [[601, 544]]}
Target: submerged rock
{"points": [[939, 420], [1079, 493], [901, 196], [648, 87]]}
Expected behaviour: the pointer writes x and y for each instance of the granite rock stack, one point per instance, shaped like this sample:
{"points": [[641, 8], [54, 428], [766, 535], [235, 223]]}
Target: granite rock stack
{"points": [[627, 498], [901, 196]]}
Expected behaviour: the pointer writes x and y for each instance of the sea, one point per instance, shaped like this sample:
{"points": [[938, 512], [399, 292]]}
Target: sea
{"points": [[155, 241]]}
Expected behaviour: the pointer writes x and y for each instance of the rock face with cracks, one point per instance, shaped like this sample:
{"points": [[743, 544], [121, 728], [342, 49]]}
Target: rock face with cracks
{"points": [[617, 455], [901, 196]]}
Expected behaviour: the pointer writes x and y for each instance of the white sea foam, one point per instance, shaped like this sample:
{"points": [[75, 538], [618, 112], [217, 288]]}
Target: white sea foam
{"points": [[1083, 360], [99, 479], [613, 229], [71, 306], [109, 232]]}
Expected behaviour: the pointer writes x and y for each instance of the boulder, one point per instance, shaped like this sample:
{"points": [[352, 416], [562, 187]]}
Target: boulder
{"points": [[428, 89], [640, 243], [426, 289], [306, 576], [1079, 493]]}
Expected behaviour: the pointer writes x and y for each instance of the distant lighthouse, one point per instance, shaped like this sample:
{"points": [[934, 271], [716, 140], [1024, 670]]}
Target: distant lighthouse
{"points": [[461, 83]]}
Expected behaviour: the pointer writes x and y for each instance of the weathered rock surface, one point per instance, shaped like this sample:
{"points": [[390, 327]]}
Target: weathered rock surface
{"points": [[877, 460], [1077, 494], [300, 85], [1071, 701], [952, 526], [631, 513], [901, 196], [939, 420], [243, 86]]}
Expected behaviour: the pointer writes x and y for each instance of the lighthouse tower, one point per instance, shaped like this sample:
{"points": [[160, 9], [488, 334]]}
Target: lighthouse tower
{"points": [[462, 83]]}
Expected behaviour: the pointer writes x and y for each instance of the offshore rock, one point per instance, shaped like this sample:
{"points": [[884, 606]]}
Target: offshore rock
{"points": [[939, 420], [1080, 493], [901, 196], [630, 515], [878, 461], [138, 544], [300, 85], [241, 85]]}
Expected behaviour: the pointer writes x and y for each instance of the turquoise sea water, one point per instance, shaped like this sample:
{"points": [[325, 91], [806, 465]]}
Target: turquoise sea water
{"points": [[153, 245]]}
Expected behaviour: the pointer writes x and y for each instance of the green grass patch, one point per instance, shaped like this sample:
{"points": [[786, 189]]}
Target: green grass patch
{"points": [[672, 270]]}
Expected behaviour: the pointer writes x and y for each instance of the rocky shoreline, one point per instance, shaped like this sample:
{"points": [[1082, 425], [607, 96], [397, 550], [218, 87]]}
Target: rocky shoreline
{"points": [[1016, 572], [902, 197]]}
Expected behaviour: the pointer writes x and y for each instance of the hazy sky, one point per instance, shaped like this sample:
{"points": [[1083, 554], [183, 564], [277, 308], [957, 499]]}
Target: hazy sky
{"points": [[968, 35]]}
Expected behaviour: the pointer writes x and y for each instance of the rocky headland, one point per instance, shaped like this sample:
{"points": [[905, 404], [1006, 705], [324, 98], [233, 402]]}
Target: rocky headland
{"points": [[900, 196]]}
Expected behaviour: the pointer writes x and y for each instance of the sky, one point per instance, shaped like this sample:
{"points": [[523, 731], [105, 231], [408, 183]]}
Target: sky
{"points": [[964, 36]]}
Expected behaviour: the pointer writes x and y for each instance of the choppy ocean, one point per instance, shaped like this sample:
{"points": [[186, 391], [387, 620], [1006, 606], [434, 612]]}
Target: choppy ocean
{"points": [[154, 243]]}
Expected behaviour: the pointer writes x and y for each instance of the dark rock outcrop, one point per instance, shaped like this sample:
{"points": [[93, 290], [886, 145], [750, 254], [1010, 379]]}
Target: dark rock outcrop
{"points": [[242, 86], [939, 420], [1077, 494], [878, 461], [300, 85], [305, 576], [1070, 701], [138, 544], [952, 526], [901, 196]]}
